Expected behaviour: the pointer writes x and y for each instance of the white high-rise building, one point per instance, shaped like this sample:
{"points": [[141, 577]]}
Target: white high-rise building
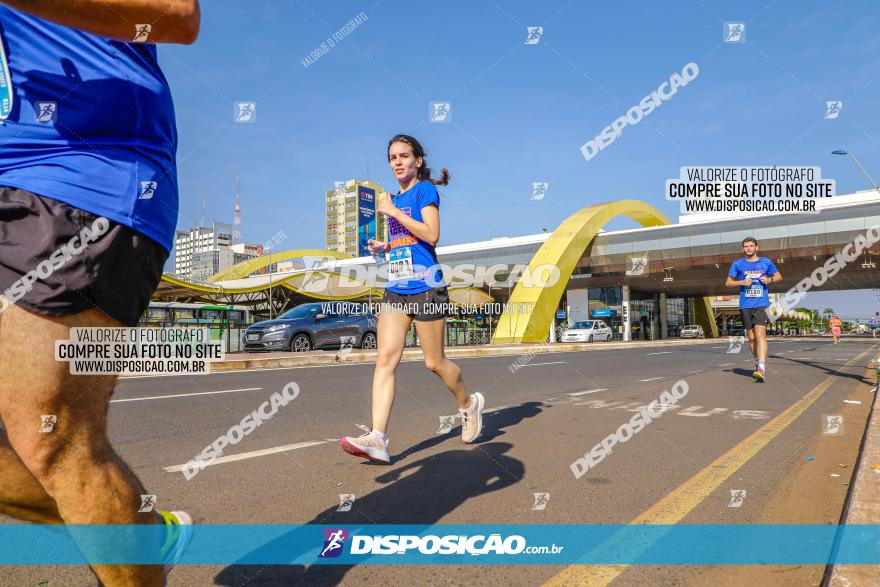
{"points": [[196, 240], [204, 251]]}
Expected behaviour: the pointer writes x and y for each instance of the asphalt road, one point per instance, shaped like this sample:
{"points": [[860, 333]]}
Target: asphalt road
{"points": [[291, 470]]}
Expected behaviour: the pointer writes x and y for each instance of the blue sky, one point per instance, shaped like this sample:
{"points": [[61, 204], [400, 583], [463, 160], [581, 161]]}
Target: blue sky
{"points": [[519, 112]]}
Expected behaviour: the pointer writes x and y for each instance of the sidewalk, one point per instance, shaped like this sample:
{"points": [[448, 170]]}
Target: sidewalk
{"points": [[864, 499], [244, 361]]}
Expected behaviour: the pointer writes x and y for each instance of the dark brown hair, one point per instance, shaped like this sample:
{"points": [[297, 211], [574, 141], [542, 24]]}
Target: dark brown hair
{"points": [[750, 239], [423, 172]]}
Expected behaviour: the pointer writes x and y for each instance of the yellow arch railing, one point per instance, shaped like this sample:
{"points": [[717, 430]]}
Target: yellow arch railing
{"points": [[249, 266], [300, 283], [328, 285], [562, 250]]}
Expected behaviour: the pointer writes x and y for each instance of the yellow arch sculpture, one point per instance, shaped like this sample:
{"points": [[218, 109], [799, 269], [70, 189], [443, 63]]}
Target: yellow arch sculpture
{"points": [[563, 249]]}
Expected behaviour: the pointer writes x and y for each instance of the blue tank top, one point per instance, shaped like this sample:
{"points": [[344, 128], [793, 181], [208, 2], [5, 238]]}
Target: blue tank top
{"points": [[91, 124]]}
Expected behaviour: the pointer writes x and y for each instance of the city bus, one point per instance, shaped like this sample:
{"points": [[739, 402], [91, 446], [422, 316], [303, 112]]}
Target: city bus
{"points": [[226, 322], [167, 314]]}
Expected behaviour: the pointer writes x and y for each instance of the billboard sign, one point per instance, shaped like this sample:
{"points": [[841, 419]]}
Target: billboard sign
{"points": [[366, 226]]}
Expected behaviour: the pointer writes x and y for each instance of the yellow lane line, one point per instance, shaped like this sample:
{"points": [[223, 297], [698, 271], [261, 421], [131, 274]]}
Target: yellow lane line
{"points": [[681, 501]]}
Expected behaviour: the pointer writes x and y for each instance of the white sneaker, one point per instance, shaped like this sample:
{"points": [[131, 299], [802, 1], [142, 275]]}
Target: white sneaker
{"points": [[369, 446], [472, 418]]}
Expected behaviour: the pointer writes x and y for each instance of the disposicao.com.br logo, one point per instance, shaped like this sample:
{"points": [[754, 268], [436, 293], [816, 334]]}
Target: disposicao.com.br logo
{"points": [[334, 539], [450, 544]]}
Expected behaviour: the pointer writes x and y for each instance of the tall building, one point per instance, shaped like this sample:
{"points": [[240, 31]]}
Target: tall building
{"points": [[352, 218], [247, 250], [196, 240], [204, 251], [207, 263]]}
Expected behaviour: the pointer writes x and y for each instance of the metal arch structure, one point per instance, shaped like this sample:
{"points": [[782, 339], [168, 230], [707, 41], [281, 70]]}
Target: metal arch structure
{"points": [[249, 266], [562, 250], [233, 285], [318, 284]]}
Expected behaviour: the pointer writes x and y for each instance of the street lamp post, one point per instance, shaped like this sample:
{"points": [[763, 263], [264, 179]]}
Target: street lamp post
{"points": [[270, 281], [859, 165]]}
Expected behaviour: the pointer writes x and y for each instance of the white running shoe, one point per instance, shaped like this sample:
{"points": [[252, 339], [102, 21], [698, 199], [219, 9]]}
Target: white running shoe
{"points": [[472, 418], [369, 446]]}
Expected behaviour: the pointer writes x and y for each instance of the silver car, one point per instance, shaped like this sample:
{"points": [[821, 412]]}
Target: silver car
{"points": [[307, 327], [586, 331]]}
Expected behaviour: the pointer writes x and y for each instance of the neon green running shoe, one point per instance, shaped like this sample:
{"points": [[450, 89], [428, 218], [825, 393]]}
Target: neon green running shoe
{"points": [[179, 533]]}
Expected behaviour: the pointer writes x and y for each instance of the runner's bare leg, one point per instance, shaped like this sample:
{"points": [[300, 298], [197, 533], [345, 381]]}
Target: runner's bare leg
{"points": [[74, 463]]}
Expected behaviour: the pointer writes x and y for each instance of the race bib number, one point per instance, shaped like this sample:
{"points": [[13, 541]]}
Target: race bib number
{"points": [[400, 264], [756, 288]]}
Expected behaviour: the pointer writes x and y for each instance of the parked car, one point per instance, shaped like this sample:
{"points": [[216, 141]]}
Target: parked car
{"points": [[692, 331], [586, 331], [307, 327]]}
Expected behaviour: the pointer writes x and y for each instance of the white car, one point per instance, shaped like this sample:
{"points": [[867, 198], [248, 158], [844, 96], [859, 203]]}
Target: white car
{"points": [[692, 331], [586, 331]]}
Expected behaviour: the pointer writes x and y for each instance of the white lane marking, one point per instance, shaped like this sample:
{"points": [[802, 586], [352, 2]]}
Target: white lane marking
{"points": [[670, 352], [719, 347], [252, 454], [726, 364], [598, 389], [371, 365], [497, 409], [536, 364], [140, 399], [651, 379]]}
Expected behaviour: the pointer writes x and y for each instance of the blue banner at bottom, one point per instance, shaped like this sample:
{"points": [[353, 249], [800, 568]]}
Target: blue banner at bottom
{"points": [[744, 544]]}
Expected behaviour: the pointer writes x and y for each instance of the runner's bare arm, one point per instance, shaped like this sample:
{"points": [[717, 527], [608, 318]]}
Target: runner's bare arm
{"points": [[775, 277], [731, 282], [172, 21]]}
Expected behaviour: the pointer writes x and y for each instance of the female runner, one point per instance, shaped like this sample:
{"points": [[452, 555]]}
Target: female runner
{"points": [[415, 292]]}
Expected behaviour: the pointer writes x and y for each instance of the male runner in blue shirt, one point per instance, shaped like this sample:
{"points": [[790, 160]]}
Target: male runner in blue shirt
{"points": [[88, 208], [752, 275]]}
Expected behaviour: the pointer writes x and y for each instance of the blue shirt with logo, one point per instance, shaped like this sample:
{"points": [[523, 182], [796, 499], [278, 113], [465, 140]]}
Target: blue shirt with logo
{"points": [[757, 294], [412, 263], [91, 125]]}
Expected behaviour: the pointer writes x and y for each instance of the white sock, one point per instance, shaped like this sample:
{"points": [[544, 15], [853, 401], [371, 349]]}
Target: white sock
{"points": [[761, 365], [380, 435]]}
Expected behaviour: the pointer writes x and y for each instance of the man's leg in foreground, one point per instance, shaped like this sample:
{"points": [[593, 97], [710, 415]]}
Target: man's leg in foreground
{"points": [[72, 471], [21, 495]]}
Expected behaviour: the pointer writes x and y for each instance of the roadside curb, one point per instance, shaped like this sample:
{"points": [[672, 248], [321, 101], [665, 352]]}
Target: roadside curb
{"points": [[863, 506], [415, 354]]}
